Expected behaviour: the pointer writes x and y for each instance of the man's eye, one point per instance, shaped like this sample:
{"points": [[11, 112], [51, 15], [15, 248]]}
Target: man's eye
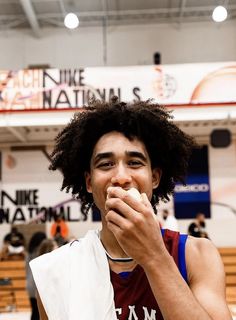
{"points": [[135, 163], [107, 164]]}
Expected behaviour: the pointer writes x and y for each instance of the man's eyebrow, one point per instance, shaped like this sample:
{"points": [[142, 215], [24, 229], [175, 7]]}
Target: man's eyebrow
{"points": [[105, 155], [102, 155], [136, 154]]}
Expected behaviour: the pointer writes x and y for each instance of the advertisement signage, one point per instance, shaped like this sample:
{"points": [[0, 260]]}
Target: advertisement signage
{"points": [[56, 89], [195, 196]]}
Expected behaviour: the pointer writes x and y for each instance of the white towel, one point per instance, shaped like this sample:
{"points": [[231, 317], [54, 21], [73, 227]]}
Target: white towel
{"points": [[74, 281]]}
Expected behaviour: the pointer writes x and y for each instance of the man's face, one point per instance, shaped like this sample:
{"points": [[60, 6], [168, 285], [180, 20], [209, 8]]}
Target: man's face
{"points": [[117, 161]]}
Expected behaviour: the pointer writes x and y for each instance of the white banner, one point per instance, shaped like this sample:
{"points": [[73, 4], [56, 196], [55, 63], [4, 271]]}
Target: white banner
{"points": [[184, 84]]}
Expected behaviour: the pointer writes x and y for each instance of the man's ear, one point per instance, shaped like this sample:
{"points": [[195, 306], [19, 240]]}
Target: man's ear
{"points": [[87, 177], [156, 177]]}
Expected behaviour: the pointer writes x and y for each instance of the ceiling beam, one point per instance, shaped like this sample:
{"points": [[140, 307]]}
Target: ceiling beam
{"points": [[170, 14], [182, 7], [17, 134], [63, 9], [105, 10], [183, 10], [31, 16]]}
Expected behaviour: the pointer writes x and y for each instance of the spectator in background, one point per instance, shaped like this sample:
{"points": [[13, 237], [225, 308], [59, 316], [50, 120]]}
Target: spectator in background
{"points": [[59, 239], [197, 227], [34, 244], [59, 230], [13, 245], [47, 245], [169, 221]]}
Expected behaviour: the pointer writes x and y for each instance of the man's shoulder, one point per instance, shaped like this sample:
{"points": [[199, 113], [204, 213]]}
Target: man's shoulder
{"points": [[202, 260], [58, 258], [200, 248], [51, 259], [199, 244]]}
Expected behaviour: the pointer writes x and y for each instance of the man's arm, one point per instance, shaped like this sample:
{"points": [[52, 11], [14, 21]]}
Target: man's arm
{"points": [[207, 277], [204, 298], [42, 312], [137, 232]]}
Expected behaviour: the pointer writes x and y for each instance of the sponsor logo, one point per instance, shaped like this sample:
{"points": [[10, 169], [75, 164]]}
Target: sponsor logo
{"points": [[203, 187]]}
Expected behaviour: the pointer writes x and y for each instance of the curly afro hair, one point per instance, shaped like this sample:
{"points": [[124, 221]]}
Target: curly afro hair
{"points": [[168, 147]]}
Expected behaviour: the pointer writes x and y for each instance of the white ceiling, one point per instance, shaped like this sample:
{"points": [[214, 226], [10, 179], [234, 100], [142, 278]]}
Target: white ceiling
{"points": [[44, 136], [21, 130], [39, 14], [35, 15]]}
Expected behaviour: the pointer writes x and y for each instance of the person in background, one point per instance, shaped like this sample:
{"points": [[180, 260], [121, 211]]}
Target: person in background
{"points": [[13, 245], [47, 245], [34, 243], [197, 227], [59, 239], [14, 238], [169, 221], [124, 158], [59, 230]]}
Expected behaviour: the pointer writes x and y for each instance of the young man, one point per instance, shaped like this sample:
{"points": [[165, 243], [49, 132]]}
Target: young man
{"points": [[130, 269]]}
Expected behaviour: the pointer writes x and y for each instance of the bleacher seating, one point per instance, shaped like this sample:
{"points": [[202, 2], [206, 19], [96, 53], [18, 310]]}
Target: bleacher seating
{"points": [[13, 294], [228, 255]]}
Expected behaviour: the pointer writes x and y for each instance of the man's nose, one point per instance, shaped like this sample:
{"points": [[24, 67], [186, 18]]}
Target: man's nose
{"points": [[121, 176]]}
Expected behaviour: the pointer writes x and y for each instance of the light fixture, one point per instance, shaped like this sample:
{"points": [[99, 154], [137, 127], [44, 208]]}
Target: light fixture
{"points": [[71, 20], [219, 14]]}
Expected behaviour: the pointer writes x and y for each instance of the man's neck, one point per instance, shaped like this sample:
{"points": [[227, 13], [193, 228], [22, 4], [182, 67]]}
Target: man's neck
{"points": [[113, 248], [110, 244]]}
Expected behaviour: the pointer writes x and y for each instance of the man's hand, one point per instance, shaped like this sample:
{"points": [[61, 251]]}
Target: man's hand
{"points": [[134, 225]]}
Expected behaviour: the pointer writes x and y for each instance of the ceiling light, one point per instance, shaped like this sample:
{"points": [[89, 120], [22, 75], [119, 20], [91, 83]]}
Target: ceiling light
{"points": [[219, 14], [71, 21]]}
